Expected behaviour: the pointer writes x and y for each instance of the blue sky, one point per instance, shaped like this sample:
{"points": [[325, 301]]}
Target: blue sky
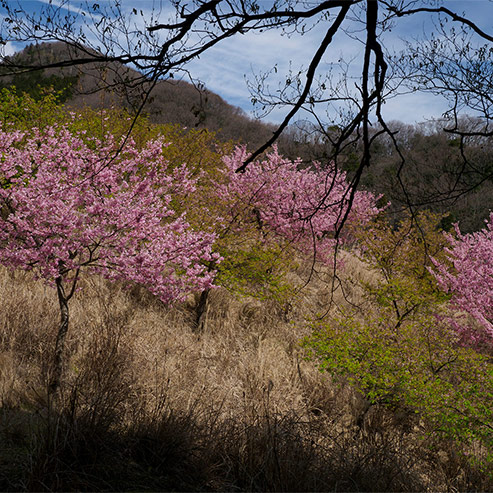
{"points": [[225, 69]]}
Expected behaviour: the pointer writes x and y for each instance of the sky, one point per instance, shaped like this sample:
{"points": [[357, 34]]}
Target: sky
{"points": [[226, 68]]}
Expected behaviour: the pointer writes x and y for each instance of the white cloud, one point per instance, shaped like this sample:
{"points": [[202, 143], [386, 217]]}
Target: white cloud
{"points": [[224, 68], [414, 108], [9, 49], [70, 6]]}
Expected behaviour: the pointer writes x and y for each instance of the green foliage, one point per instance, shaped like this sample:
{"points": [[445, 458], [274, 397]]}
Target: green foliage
{"points": [[36, 85], [419, 366], [199, 148], [20, 111], [400, 256], [257, 271], [397, 347]]}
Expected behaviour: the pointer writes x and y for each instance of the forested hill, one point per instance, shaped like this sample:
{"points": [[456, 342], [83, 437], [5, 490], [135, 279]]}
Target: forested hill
{"points": [[172, 101]]}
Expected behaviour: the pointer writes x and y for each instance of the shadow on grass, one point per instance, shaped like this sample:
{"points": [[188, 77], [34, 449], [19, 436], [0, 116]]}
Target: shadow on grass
{"points": [[71, 451]]}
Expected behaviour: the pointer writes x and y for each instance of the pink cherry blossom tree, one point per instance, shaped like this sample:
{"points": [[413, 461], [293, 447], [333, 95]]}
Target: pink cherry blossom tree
{"points": [[302, 205], [68, 205], [469, 279], [275, 211]]}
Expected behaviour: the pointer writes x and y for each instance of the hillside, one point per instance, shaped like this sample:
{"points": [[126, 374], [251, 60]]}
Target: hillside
{"points": [[172, 101]]}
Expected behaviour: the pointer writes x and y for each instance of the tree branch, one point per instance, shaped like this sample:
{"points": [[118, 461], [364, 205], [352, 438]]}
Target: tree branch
{"points": [[309, 80]]}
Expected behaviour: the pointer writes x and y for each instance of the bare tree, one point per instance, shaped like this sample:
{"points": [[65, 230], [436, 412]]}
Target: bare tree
{"points": [[456, 63]]}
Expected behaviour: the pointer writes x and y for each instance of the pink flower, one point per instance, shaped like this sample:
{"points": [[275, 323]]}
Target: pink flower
{"points": [[469, 276], [66, 206]]}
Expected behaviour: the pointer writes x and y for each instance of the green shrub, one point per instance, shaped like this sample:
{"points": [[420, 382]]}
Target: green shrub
{"points": [[397, 347]]}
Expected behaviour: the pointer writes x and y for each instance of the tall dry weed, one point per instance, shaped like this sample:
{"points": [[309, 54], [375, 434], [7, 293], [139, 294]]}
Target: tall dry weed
{"points": [[147, 403]]}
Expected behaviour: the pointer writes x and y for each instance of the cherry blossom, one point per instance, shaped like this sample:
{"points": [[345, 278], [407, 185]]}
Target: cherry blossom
{"points": [[303, 205], [68, 204], [469, 276]]}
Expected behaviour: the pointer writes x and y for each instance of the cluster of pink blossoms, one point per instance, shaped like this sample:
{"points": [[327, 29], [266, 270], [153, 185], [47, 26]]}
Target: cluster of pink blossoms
{"points": [[470, 280], [303, 205], [66, 204]]}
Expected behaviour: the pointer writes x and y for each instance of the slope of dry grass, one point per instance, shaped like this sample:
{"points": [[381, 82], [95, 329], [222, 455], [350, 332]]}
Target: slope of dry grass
{"points": [[147, 403]]}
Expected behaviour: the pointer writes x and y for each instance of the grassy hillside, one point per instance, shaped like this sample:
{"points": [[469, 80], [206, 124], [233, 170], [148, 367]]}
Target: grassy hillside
{"points": [[292, 376], [149, 404]]}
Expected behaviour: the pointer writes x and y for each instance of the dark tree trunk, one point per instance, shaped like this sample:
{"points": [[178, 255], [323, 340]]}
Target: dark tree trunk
{"points": [[60, 339], [202, 309]]}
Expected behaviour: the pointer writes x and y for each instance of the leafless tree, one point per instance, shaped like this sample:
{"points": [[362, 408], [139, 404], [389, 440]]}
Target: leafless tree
{"points": [[455, 62]]}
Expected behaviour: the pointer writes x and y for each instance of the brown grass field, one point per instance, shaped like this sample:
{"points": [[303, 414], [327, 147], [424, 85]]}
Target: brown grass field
{"points": [[149, 404]]}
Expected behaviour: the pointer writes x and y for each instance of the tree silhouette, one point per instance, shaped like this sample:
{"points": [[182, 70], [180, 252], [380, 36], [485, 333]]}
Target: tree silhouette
{"points": [[454, 61]]}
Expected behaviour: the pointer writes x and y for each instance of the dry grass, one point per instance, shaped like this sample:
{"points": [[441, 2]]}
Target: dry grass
{"points": [[147, 403]]}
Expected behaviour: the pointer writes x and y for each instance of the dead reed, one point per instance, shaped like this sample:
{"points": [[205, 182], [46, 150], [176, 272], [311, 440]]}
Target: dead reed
{"points": [[149, 404]]}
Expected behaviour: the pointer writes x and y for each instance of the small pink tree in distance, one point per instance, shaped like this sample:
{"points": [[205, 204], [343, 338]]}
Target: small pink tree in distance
{"points": [[69, 205], [303, 205], [469, 279]]}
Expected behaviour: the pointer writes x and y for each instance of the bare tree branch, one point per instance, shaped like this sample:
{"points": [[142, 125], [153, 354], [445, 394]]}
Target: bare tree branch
{"points": [[309, 80]]}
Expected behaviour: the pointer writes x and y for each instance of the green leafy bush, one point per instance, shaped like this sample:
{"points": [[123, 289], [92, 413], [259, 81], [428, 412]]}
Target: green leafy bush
{"points": [[20, 111], [397, 347], [258, 271]]}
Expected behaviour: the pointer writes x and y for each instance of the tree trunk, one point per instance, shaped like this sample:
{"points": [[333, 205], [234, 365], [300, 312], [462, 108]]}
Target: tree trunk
{"points": [[202, 309], [60, 339]]}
